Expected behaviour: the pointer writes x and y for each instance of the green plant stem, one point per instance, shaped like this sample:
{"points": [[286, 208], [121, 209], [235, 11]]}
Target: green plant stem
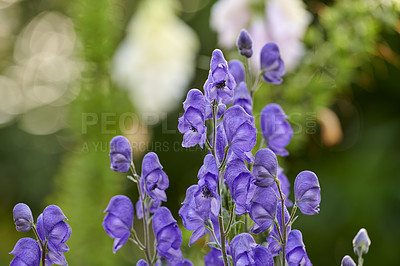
{"points": [[284, 228], [43, 246], [360, 260]]}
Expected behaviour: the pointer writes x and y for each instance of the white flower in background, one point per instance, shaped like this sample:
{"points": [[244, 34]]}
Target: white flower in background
{"points": [[156, 60], [284, 22]]}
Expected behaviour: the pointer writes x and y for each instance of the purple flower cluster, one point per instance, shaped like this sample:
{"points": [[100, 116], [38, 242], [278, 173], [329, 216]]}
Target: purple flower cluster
{"points": [[52, 233]]}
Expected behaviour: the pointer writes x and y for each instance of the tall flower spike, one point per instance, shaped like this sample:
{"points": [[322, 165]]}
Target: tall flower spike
{"points": [[23, 218], [275, 129], [272, 65], [27, 253], [361, 242], [220, 83], [240, 132], [119, 220], [120, 154], [265, 168], [296, 251], [245, 44], [263, 209], [155, 180], [307, 192]]}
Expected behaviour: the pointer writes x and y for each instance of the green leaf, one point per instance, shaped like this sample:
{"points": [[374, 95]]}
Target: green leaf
{"points": [[213, 245]]}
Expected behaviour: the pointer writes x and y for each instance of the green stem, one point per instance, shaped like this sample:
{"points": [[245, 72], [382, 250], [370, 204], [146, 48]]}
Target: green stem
{"points": [[284, 228], [360, 260], [254, 87]]}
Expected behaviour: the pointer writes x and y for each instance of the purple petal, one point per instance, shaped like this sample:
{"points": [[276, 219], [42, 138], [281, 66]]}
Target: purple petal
{"points": [[26, 252], [265, 168], [307, 192], [23, 218], [120, 154], [237, 70]]}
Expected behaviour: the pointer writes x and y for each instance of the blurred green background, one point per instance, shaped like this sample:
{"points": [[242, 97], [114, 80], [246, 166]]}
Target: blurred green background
{"points": [[60, 106]]}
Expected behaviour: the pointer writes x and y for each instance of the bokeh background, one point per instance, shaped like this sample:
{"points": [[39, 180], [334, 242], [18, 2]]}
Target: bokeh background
{"points": [[73, 74]]}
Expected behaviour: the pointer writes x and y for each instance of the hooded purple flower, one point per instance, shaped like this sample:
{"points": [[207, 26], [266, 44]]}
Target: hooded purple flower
{"points": [[240, 132], [263, 209], [307, 192], [295, 250], [120, 154], [273, 246], [240, 183], [265, 168], [243, 98], [23, 218], [213, 258], [245, 44], [272, 65], [245, 252], [220, 83], [27, 253], [237, 70], [167, 234], [275, 129], [208, 176], [154, 179], [191, 124], [52, 228], [348, 261], [119, 220]]}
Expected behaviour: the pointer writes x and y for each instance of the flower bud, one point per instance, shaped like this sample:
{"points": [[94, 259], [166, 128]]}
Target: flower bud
{"points": [[361, 242], [120, 154], [348, 261], [23, 218], [245, 44]]}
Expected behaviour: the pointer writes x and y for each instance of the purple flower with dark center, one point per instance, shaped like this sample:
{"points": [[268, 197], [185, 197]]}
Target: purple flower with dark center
{"points": [[237, 70], [243, 98], [52, 228], [154, 205], [240, 183], [245, 44], [213, 258], [27, 253], [23, 218], [307, 192], [285, 186], [191, 124], [263, 207], [208, 176], [240, 132], [295, 250], [273, 246], [265, 168], [154, 179], [245, 252], [361, 242], [272, 65], [275, 129], [167, 234], [119, 220], [220, 83], [348, 261], [120, 154]]}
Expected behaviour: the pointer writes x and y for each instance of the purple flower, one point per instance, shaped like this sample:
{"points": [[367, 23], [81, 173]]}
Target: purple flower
{"points": [[240, 132], [167, 234], [27, 253], [307, 192], [120, 154], [119, 220], [237, 70], [243, 98], [263, 209], [240, 183], [154, 179], [208, 176], [273, 246], [245, 252], [272, 65], [348, 261], [213, 258], [52, 228], [295, 250], [154, 205], [23, 218], [361, 242], [142, 263], [221, 143], [191, 124], [245, 44], [275, 129], [220, 83], [265, 168]]}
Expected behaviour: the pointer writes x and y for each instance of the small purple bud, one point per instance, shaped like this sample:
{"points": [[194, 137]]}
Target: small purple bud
{"points": [[245, 44], [120, 154], [272, 65], [361, 242], [23, 218], [307, 193], [348, 261], [26, 252]]}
